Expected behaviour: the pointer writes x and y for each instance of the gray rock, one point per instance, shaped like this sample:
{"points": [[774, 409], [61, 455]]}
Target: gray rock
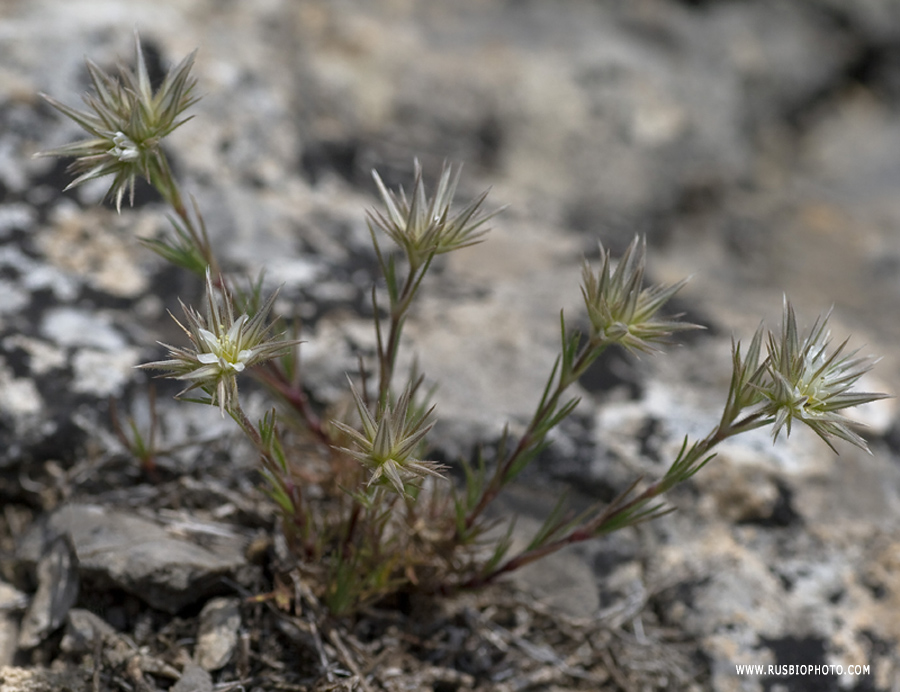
{"points": [[11, 601], [57, 576], [877, 20], [193, 679], [9, 636], [138, 555], [220, 621], [83, 630]]}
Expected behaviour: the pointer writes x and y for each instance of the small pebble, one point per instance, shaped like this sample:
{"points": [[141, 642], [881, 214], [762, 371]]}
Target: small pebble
{"points": [[220, 621]]}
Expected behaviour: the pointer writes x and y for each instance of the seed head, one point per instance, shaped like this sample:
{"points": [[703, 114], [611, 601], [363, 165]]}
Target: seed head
{"points": [[127, 122], [423, 226], [809, 385], [620, 309], [388, 441], [222, 347]]}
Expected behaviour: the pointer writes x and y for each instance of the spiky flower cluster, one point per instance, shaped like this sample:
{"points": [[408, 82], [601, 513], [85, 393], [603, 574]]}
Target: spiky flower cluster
{"points": [[424, 226], [127, 122], [620, 309], [388, 440], [809, 384], [222, 348]]}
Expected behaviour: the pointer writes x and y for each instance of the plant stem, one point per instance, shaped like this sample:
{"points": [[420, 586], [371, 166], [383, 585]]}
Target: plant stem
{"points": [[533, 435], [237, 412], [616, 514], [388, 356], [165, 183]]}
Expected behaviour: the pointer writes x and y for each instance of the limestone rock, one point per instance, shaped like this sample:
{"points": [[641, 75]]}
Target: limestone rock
{"points": [[137, 555], [57, 575], [194, 679], [220, 620], [83, 631], [11, 602]]}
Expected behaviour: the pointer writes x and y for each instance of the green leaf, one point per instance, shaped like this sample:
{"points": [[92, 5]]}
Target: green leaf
{"points": [[554, 524], [501, 548], [181, 250]]}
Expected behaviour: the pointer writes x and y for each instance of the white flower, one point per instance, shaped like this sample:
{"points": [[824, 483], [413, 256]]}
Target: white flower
{"points": [[223, 347], [225, 350], [125, 149]]}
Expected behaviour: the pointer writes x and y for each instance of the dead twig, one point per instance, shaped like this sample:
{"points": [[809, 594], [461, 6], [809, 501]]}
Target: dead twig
{"points": [[614, 671], [347, 658]]}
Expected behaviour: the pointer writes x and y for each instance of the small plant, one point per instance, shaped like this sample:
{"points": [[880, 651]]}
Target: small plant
{"points": [[382, 518]]}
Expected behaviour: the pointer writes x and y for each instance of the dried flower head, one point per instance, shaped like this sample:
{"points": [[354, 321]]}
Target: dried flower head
{"points": [[222, 347], [810, 385], [389, 439], [424, 226], [127, 122], [620, 309]]}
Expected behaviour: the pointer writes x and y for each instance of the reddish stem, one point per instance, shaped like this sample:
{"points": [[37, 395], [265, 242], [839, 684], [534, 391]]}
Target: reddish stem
{"points": [[295, 397]]}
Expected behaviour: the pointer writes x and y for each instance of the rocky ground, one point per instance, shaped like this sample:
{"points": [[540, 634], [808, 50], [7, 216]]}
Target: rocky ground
{"points": [[755, 143]]}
